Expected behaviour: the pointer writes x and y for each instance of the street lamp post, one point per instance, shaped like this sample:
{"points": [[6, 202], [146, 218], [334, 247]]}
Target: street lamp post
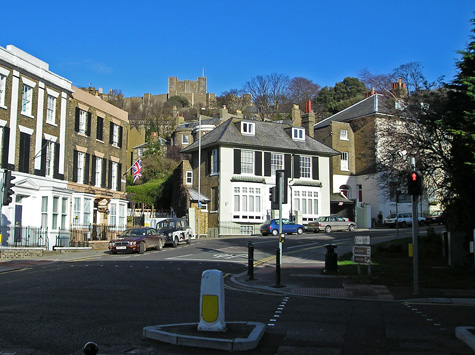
{"points": [[199, 176]]}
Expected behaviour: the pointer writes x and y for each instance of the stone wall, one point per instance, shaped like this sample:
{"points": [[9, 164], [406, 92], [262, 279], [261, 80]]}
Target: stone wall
{"points": [[20, 253]]}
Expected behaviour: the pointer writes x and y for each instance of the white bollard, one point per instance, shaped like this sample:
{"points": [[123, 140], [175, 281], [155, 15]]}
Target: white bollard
{"points": [[212, 302]]}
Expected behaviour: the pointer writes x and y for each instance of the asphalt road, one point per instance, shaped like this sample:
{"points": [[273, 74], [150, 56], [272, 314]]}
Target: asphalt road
{"points": [[56, 308]]}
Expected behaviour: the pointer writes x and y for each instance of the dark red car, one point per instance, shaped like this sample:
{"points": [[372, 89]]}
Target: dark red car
{"points": [[137, 239]]}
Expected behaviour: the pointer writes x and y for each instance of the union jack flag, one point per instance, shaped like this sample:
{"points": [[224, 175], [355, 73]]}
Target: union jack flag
{"points": [[137, 169]]}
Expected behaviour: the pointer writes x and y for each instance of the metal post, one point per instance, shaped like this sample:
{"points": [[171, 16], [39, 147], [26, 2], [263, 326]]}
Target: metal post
{"points": [[415, 237], [199, 178], [277, 267], [250, 260]]}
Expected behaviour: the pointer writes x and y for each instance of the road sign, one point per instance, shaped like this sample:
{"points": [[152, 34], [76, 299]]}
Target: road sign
{"points": [[362, 255], [363, 240], [360, 259], [362, 250]]}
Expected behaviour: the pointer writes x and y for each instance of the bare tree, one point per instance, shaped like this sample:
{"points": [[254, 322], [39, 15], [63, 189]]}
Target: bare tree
{"points": [[412, 129], [269, 92], [302, 90]]}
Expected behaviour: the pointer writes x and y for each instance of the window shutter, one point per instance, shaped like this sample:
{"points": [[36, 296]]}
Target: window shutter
{"points": [[315, 168], [111, 133], [109, 180], [287, 166], [24, 157], [76, 120], [209, 156], [120, 136], [119, 175], [88, 128], [237, 161], [86, 169], [75, 166], [104, 172], [56, 161], [44, 144], [100, 128], [258, 164], [267, 164], [6, 143], [93, 171], [296, 166]]}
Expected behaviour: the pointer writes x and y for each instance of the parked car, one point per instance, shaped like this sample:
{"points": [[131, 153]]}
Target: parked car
{"points": [[404, 219], [137, 240], [176, 231], [288, 227], [331, 223], [435, 217]]}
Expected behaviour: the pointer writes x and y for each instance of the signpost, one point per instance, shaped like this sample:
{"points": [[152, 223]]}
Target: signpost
{"points": [[362, 252]]}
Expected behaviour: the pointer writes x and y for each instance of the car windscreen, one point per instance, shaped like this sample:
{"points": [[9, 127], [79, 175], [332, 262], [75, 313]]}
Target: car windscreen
{"points": [[166, 224], [133, 232], [392, 215]]}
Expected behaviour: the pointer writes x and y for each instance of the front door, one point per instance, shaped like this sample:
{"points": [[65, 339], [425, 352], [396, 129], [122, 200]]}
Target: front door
{"points": [[18, 223]]}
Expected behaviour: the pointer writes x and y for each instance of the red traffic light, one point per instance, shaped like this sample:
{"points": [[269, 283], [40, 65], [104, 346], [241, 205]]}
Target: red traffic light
{"points": [[414, 183]]}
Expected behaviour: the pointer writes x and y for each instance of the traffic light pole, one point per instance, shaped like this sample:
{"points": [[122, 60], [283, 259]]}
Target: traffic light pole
{"points": [[415, 237], [415, 189], [278, 261]]}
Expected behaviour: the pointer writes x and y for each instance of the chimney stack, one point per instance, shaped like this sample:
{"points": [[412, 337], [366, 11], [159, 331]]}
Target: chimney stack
{"points": [[308, 119], [296, 119]]}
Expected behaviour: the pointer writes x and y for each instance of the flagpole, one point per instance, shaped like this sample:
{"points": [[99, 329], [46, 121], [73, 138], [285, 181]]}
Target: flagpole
{"points": [[130, 167]]}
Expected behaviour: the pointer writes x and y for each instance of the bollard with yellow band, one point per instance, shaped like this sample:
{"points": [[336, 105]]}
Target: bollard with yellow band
{"points": [[212, 302]]}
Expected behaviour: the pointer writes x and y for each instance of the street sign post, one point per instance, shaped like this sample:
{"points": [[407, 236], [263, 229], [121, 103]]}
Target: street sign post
{"points": [[362, 252], [362, 240]]}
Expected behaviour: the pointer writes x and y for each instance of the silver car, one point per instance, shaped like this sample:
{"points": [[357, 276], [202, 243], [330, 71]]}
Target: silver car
{"points": [[331, 223]]}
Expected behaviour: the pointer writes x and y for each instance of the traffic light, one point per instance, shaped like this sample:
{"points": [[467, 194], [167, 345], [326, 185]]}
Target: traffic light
{"points": [[273, 198], [280, 175], [8, 187], [414, 183]]}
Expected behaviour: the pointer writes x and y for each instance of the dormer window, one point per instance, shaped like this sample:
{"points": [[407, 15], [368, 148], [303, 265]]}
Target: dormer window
{"points": [[248, 128], [298, 134]]}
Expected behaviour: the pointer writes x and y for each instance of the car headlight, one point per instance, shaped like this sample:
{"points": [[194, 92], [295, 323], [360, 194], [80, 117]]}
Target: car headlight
{"points": [[111, 244], [132, 243], [170, 234]]}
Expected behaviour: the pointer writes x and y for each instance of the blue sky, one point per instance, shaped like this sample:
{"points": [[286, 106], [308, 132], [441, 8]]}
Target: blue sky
{"points": [[135, 46]]}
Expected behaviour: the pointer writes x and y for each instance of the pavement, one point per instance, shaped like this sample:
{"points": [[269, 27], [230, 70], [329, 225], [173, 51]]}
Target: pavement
{"points": [[307, 279]]}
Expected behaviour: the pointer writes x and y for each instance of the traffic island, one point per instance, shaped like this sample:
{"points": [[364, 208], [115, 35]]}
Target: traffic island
{"points": [[212, 331], [239, 336]]}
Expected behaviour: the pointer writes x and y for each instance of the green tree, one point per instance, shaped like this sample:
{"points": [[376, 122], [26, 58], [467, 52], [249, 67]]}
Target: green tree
{"points": [[460, 122], [331, 100]]}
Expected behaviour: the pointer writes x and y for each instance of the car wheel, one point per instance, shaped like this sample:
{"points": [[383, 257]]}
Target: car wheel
{"points": [[159, 245], [351, 227], [403, 224], [422, 223], [275, 232], [328, 229], [175, 242], [142, 248], [299, 231], [264, 234], [114, 252]]}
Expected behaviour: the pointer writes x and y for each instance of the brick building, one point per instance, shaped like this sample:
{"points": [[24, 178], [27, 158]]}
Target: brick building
{"points": [[356, 185], [50, 153]]}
